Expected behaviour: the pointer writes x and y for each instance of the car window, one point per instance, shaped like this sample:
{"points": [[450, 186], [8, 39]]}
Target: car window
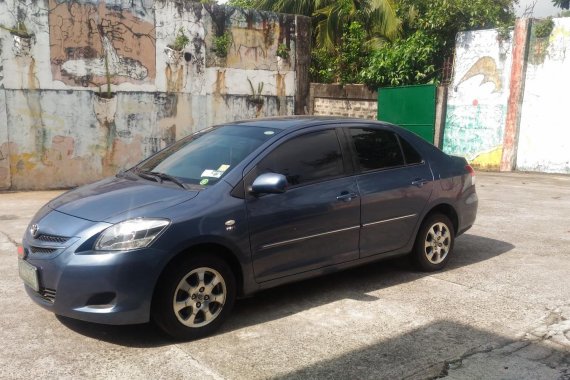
{"points": [[307, 158], [205, 158], [410, 154], [376, 148]]}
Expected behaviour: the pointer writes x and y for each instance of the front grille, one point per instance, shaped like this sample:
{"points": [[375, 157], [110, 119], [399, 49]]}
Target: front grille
{"points": [[42, 250], [52, 238], [48, 294]]}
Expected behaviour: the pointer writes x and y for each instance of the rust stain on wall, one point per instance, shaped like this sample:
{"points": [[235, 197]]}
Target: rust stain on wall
{"points": [[4, 164], [172, 127], [93, 38], [174, 78]]}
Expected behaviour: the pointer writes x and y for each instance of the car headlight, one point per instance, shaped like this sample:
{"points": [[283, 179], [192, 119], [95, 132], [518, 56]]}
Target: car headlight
{"points": [[130, 234]]}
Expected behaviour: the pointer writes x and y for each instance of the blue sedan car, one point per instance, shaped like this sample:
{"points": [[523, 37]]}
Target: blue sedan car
{"points": [[238, 208]]}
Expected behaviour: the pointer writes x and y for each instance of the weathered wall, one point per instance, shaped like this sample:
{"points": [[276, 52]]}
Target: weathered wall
{"points": [[544, 137], [55, 129], [349, 100], [477, 98]]}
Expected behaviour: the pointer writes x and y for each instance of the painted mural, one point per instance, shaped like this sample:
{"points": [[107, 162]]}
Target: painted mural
{"points": [[96, 41], [544, 137], [477, 100]]}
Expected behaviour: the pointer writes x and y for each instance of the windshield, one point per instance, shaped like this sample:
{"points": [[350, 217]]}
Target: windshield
{"points": [[204, 158]]}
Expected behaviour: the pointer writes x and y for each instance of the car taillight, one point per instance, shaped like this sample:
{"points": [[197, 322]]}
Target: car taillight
{"points": [[471, 172], [21, 252]]}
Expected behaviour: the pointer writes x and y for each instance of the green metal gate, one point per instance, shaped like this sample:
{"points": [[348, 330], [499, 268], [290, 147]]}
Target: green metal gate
{"points": [[411, 107]]}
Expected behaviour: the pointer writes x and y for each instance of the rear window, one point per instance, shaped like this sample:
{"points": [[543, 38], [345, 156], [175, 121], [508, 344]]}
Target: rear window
{"points": [[410, 154], [376, 148]]}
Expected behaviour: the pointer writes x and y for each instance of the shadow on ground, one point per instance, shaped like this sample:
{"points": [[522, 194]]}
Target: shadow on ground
{"points": [[291, 299], [445, 348]]}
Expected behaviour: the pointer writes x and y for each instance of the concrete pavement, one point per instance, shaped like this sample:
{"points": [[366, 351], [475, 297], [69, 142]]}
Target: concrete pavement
{"points": [[500, 310]]}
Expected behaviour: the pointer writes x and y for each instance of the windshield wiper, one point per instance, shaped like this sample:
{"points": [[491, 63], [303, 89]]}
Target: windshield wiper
{"points": [[167, 177], [158, 177], [147, 175]]}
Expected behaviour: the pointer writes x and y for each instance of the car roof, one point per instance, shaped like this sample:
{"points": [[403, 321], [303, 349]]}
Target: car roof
{"points": [[287, 122]]}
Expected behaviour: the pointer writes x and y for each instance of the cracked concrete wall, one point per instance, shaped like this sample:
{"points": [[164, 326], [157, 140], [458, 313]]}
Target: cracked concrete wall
{"points": [[58, 60]]}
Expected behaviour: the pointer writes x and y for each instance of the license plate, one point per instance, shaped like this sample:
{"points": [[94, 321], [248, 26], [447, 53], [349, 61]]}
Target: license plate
{"points": [[29, 274]]}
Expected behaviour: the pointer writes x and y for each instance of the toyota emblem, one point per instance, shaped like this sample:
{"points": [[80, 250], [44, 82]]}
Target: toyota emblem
{"points": [[34, 230]]}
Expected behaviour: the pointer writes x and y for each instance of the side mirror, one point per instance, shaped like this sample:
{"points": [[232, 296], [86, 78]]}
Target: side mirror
{"points": [[269, 183]]}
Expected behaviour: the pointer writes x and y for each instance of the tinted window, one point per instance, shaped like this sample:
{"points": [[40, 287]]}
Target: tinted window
{"points": [[306, 158], [376, 148], [412, 156]]}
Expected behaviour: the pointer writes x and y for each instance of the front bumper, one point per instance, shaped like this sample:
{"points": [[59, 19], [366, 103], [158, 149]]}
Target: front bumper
{"points": [[109, 288]]}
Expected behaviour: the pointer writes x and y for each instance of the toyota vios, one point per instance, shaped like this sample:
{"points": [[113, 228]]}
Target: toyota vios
{"points": [[242, 207]]}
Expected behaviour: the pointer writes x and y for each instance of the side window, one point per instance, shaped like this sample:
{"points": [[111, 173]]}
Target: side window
{"points": [[311, 157], [376, 148], [412, 156]]}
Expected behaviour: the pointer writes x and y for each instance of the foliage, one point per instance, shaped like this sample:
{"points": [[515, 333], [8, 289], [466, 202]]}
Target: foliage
{"points": [[330, 16], [255, 97], [564, 4], [429, 28], [283, 51], [389, 42], [245, 4], [222, 44], [353, 54], [403, 62], [322, 69], [543, 28], [180, 41]]}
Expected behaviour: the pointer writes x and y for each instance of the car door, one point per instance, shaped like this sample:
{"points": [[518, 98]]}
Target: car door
{"points": [[316, 222], [395, 184]]}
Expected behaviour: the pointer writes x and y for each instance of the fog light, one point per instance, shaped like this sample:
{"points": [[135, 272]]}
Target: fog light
{"points": [[21, 252]]}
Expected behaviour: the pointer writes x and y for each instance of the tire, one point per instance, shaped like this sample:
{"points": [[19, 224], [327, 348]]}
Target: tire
{"points": [[434, 243], [194, 297]]}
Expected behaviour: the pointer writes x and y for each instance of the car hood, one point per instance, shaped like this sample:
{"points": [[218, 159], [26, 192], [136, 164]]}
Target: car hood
{"points": [[108, 199]]}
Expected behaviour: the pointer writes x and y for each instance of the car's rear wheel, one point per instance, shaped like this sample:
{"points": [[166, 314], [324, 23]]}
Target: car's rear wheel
{"points": [[434, 243], [194, 297]]}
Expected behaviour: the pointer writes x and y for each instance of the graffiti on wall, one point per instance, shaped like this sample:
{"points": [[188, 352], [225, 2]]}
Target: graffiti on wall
{"points": [[62, 136], [487, 68], [256, 40], [93, 42], [477, 105]]}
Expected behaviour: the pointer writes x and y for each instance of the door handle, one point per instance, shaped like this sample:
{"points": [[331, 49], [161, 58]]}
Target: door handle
{"points": [[419, 182], [345, 196]]}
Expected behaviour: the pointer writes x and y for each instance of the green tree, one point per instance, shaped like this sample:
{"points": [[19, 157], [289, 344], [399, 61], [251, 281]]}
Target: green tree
{"points": [[330, 18], [429, 29], [245, 4], [564, 4]]}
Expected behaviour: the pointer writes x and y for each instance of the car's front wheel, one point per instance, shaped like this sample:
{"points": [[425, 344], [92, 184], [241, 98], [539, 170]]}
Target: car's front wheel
{"points": [[434, 243], [194, 296]]}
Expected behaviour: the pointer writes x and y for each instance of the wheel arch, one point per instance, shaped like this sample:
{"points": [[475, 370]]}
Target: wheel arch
{"points": [[215, 248], [447, 210]]}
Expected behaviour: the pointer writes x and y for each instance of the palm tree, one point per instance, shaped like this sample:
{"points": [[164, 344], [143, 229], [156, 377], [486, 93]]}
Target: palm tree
{"points": [[329, 17], [564, 4]]}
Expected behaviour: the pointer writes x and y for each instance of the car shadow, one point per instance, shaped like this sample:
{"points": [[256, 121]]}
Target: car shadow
{"points": [[290, 299]]}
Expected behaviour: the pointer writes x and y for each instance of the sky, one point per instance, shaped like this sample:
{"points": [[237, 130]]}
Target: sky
{"points": [[542, 8]]}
